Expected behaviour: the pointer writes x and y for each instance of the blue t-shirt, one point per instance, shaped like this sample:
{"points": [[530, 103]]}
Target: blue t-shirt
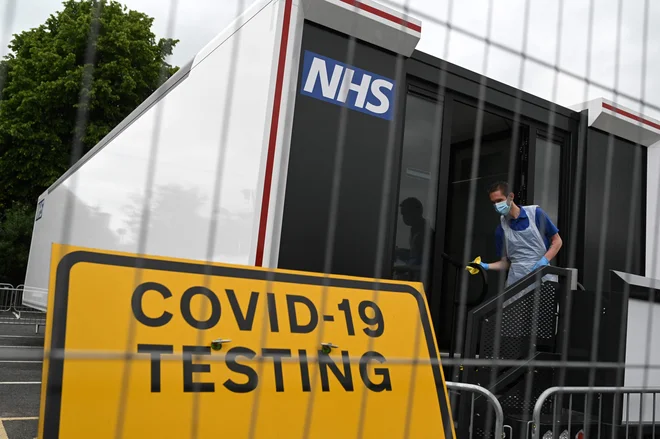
{"points": [[543, 223]]}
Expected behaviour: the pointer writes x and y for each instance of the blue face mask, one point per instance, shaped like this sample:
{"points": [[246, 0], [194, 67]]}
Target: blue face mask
{"points": [[503, 207]]}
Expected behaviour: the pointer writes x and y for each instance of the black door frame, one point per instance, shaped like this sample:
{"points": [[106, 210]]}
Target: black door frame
{"points": [[563, 139], [433, 78], [516, 174]]}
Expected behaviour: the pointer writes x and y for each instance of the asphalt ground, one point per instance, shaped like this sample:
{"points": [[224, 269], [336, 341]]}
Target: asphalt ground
{"points": [[20, 380]]}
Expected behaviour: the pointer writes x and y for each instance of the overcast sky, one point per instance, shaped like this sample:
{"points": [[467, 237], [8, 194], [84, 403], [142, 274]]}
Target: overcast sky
{"points": [[198, 21]]}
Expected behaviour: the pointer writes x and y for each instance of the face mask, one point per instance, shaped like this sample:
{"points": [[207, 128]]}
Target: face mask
{"points": [[503, 207]]}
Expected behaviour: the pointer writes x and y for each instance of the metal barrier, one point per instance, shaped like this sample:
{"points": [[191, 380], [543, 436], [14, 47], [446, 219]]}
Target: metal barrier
{"points": [[14, 313], [609, 424], [18, 299], [497, 408], [6, 296]]}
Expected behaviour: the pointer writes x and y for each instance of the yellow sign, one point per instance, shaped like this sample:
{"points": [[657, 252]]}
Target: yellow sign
{"points": [[166, 348]]}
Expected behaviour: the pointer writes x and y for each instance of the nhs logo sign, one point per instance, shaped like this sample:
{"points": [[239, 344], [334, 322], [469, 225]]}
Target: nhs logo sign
{"points": [[331, 81]]}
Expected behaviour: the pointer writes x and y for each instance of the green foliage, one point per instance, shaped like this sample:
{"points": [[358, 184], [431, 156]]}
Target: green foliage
{"points": [[15, 231], [63, 87], [67, 83]]}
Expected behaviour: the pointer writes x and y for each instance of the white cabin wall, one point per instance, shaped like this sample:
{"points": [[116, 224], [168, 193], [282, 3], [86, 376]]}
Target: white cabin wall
{"points": [[214, 114], [281, 158], [643, 330]]}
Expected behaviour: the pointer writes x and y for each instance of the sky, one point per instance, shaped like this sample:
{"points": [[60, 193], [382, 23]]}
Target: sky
{"points": [[558, 39]]}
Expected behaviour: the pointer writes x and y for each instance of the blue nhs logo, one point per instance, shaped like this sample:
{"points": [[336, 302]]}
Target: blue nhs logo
{"points": [[331, 81]]}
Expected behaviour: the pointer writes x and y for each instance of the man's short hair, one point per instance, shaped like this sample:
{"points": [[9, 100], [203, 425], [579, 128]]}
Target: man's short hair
{"points": [[501, 186], [412, 204]]}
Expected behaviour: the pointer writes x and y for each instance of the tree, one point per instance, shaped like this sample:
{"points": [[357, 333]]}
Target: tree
{"points": [[67, 83], [15, 231], [63, 87]]}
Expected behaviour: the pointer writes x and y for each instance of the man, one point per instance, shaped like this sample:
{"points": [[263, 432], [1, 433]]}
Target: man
{"points": [[526, 238]]}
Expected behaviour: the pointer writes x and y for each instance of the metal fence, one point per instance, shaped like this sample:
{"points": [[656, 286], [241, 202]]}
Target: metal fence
{"points": [[12, 310], [512, 348], [596, 412], [6, 295], [478, 392]]}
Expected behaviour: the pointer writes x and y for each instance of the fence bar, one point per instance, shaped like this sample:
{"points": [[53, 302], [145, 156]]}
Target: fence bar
{"points": [[14, 313], [627, 414], [600, 414], [641, 414], [499, 414], [554, 391], [18, 298], [653, 421], [471, 415], [6, 295]]}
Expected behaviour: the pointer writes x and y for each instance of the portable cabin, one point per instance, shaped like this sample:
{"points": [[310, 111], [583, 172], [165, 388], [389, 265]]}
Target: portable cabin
{"points": [[293, 137]]}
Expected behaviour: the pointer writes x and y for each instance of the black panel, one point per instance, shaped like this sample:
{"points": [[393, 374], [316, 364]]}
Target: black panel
{"points": [[468, 83], [623, 217], [575, 194], [582, 341], [360, 174]]}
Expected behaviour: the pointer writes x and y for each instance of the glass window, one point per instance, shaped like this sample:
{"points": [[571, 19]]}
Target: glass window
{"points": [[415, 232], [473, 169], [546, 176], [481, 147]]}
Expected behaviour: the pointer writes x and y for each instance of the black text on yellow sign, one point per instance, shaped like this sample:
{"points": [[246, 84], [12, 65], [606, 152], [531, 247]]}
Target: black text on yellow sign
{"points": [[236, 351], [244, 321]]}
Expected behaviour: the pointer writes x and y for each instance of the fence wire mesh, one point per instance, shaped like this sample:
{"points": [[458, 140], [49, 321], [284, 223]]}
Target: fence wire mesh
{"points": [[467, 116]]}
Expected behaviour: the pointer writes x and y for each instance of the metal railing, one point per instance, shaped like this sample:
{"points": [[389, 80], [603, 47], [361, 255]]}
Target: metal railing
{"points": [[6, 296], [600, 418], [481, 392], [13, 312], [463, 305], [18, 300], [523, 323]]}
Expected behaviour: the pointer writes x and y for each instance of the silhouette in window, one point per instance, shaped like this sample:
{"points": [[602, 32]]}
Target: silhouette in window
{"points": [[413, 263]]}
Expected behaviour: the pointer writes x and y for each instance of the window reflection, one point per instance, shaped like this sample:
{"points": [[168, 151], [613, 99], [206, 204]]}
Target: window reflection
{"points": [[420, 235], [415, 233], [546, 176]]}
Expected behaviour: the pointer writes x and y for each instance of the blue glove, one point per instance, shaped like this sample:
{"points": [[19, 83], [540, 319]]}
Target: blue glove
{"points": [[483, 264], [540, 263]]}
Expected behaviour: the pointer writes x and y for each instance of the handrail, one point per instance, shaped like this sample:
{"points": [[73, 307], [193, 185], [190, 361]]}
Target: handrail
{"points": [[482, 273], [451, 260], [499, 413], [510, 292], [455, 302], [484, 284], [525, 282]]}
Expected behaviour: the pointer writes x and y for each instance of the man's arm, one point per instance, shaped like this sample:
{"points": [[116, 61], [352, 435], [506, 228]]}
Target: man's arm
{"points": [[501, 265], [555, 245], [547, 228]]}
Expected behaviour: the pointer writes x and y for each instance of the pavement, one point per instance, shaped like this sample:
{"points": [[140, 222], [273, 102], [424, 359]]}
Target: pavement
{"points": [[20, 380]]}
